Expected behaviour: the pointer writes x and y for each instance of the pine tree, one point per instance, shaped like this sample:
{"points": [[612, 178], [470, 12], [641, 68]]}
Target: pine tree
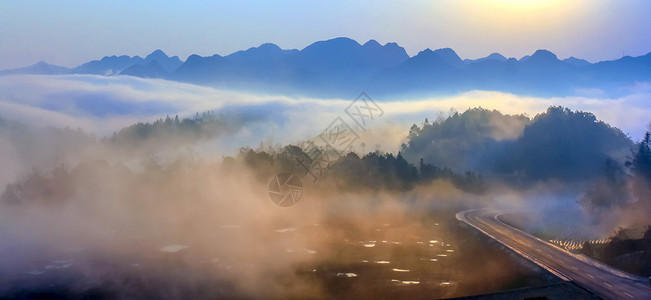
{"points": [[642, 170], [642, 160]]}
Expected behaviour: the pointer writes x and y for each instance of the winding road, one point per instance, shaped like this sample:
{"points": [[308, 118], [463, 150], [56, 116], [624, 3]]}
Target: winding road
{"points": [[589, 274]]}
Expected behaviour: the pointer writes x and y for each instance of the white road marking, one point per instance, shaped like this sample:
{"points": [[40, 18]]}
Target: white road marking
{"points": [[505, 234]]}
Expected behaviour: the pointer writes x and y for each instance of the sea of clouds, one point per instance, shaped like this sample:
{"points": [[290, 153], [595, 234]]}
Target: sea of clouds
{"points": [[103, 105]]}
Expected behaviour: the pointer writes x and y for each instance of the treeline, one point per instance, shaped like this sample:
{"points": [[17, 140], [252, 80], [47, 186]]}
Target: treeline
{"points": [[559, 144], [61, 184], [23, 147], [468, 140], [146, 137], [173, 131], [373, 171], [641, 168], [626, 185]]}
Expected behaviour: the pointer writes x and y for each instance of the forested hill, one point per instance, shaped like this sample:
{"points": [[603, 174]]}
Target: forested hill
{"points": [[559, 143]]}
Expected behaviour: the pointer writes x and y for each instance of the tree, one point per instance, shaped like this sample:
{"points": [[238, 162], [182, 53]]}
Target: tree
{"points": [[642, 159], [609, 190], [413, 132], [641, 167]]}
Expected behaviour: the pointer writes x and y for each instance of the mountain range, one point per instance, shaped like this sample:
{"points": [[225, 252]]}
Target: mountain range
{"points": [[342, 67]]}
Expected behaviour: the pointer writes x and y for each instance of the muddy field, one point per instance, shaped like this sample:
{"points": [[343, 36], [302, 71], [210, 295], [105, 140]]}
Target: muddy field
{"points": [[420, 258]]}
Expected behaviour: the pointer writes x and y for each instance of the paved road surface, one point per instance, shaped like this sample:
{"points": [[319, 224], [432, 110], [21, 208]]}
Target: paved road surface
{"points": [[605, 282]]}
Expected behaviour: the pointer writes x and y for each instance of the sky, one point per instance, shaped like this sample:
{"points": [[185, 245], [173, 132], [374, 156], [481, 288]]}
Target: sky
{"points": [[69, 33]]}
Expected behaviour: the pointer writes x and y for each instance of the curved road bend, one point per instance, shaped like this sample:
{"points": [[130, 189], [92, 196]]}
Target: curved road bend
{"points": [[605, 283]]}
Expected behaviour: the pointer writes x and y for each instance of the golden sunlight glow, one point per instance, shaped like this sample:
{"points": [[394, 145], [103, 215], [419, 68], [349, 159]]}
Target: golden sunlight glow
{"points": [[522, 5], [512, 20]]}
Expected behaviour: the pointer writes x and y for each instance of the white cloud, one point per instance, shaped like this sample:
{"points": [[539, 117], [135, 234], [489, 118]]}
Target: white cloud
{"points": [[105, 104]]}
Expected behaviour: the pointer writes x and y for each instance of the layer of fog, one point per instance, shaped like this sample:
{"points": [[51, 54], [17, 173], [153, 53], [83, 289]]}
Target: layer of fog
{"points": [[133, 214], [103, 105], [185, 224]]}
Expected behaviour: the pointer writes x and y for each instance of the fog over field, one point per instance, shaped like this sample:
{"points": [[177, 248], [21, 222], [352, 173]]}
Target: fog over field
{"points": [[170, 217], [92, 199], [325, 149]]}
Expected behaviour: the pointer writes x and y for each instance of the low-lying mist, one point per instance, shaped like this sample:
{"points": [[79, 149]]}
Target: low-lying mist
{"points": [[194, 227], [161, 189]]}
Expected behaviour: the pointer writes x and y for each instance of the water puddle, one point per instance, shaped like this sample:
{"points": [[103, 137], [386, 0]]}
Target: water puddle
{"points": [[173, 248], [284, 230]]}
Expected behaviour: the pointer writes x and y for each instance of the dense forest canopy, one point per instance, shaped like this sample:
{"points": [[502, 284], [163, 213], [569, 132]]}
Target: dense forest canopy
{"points": [[461, 140], [557, 144]]}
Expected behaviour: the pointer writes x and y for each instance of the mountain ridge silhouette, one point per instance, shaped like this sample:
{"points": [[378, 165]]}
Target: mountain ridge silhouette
{"points": [[341, 66]]}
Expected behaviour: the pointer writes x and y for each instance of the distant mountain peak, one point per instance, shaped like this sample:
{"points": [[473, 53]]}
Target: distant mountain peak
{"points": [[372, 43], [543, 54], [336, 43], [496, 56], [339, 65], [193, 59], [445, 50], [427, 51], [157, 54], [444, 56], [152, 69], [264, 48], [492, 57], [40, 67], [577, 62], [343, 39], [269, 46], [449, 56], [395, 47]]}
